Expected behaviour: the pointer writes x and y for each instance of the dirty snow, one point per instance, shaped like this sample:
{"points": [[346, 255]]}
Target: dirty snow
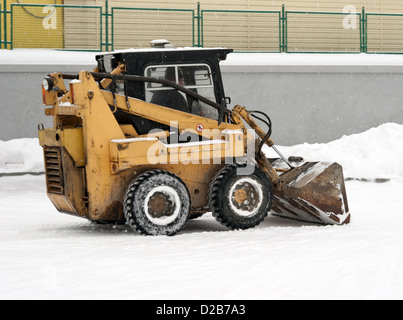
{"points": [[48, 255]]}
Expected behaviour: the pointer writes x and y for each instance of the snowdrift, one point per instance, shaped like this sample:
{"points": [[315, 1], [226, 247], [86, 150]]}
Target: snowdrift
{"points": [[21, 155], [373, 154]]}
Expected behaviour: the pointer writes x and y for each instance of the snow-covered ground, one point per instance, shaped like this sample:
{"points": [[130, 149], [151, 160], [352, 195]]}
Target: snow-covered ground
{"points": [[47, 255]]}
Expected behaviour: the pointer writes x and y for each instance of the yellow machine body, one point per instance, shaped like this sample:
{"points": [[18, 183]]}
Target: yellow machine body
{"points": [[91, 161]]}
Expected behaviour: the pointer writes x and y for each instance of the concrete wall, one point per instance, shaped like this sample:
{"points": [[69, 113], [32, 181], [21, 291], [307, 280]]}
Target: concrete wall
{"points": [[318, 104], [21, 98], [311, 104]]}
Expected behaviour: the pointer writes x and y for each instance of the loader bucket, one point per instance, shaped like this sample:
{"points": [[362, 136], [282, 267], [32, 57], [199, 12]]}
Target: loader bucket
{"points": [[313, 192]]}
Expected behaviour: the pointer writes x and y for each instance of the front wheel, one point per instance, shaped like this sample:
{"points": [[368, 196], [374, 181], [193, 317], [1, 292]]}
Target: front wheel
{"points": [[240, 201], [157, 203]]}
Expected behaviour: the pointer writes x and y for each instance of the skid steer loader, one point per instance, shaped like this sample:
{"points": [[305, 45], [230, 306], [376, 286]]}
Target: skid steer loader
{"points": [[146, 139]]}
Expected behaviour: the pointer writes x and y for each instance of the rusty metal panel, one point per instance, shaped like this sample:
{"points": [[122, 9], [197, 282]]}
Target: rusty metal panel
{"points": [[313, 192]]}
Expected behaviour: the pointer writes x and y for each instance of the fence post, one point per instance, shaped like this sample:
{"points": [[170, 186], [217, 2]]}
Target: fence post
{"points": [[283, 30], [1, 35], [4, 24], [106, 15], [201, 30], [5, 31], [198, 18], [106, 26], [364, 31]]}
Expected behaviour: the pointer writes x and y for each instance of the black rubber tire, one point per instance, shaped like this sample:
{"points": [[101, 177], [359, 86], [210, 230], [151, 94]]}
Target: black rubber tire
{"points": [[219, 198], [134, 203], [195, 216]]}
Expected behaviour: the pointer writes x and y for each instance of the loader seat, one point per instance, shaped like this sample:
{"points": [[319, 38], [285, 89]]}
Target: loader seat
{"points": [[170, 99]]}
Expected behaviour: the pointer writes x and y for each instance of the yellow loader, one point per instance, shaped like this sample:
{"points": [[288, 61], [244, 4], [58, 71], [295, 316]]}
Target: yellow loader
{"points": [[146, 139]]}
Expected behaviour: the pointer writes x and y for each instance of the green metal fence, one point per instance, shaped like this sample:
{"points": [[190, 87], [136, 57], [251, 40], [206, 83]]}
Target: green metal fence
{"points": [[56, 27], [1, 33], [384, 33], [3, 25], [323, 32], [244, 30], [101, 28], [135, 27]]}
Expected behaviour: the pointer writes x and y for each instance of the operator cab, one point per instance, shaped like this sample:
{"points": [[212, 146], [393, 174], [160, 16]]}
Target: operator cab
{"points": [[196, 69]]}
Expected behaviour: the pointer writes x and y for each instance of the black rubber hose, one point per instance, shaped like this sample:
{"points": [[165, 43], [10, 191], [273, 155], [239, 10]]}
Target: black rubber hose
{"points": [[268, 123]]}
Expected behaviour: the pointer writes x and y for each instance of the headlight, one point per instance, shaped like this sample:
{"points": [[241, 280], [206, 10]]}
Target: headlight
{"points": [[47, 84]]}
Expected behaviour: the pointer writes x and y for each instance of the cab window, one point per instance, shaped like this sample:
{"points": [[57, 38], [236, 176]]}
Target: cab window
{"points": [[195, 77]]}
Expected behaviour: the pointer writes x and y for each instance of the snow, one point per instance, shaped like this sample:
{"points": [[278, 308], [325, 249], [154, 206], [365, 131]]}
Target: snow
{"points": [[309, 175], [21, 155], [299, 59], [48, 255], [133, 139], [194, 144], [54, 57], [373, 154], [45, 57]]}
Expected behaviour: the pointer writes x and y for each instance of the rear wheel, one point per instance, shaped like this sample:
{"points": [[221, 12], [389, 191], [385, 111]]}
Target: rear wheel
{"points": [[240, 201], [157, 203]]}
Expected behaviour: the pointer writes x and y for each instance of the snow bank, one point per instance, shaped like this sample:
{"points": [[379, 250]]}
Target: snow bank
{"points": [[59, 57], [312, 59], [376, 153], [21, 155], [373, 154], [43, 57]]}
